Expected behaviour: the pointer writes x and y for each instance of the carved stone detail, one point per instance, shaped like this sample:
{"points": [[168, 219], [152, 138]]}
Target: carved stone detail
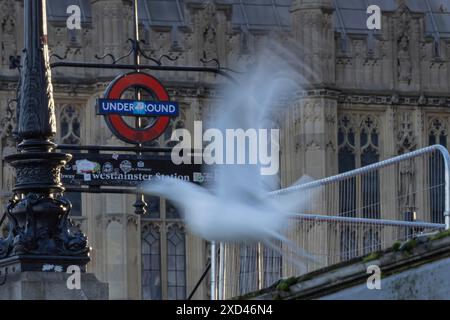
{"points": [[403, 35], [406, 140], [8, 29], [210, 32]]}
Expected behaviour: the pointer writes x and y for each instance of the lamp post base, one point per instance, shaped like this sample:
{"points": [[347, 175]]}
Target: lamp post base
{"points": [[51, 286]]}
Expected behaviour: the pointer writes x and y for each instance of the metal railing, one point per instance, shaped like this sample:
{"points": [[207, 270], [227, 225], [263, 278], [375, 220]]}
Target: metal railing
{"points": [[352, 214]]}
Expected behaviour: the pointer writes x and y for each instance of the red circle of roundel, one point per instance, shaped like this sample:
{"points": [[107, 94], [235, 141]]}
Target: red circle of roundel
{"points": [[118, 125]]}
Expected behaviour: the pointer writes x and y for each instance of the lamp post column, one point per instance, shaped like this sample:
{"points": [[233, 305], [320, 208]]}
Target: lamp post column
{"points": [[40, 232]]}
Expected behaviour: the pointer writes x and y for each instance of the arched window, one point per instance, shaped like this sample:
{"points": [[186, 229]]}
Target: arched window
{"points": [[358, 139], [163, 273], [272, 265], [437, 134], [176, 262], [151, 262], [370, 191], [248, 268]]}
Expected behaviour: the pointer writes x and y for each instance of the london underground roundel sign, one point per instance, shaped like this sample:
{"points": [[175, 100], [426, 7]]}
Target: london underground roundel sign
{"points": [[113, 108]]}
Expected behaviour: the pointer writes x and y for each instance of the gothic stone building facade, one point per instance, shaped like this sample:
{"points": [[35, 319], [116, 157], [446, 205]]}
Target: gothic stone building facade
{"points": [[374, 95]]}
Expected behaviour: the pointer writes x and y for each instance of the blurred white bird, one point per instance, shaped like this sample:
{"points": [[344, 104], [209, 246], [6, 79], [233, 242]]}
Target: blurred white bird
{"points": [[247, 216], [237, 206]]}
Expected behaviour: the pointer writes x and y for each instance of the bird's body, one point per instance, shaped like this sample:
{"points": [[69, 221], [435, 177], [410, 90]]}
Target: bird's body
{"points": [[217, 218]]}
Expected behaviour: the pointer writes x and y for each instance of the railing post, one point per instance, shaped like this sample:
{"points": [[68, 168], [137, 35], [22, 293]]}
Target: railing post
{"points": [[213, 270], [221, 270], [446, 158]]}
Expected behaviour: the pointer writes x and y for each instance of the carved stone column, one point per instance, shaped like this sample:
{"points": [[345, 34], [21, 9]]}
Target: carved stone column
{"points": [[40, 232], [312, 28], [310, 140]]}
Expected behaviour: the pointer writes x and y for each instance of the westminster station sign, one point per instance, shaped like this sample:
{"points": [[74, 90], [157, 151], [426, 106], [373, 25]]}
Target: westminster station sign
{"points": [[125, 170]]}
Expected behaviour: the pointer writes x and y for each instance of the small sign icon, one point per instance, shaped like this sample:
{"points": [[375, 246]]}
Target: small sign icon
{"points": [[126, 166], [86, 166], [198, 177], [108, 167]]}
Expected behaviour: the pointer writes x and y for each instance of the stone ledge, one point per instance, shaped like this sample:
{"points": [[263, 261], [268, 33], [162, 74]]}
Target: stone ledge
{"points": [[51, 286], [400, 258]]}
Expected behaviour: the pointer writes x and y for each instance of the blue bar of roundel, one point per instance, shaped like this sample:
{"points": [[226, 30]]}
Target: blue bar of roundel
{"points": [[137, 108]]}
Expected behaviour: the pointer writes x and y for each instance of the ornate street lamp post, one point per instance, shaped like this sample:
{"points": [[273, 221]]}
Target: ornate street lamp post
{"points": [[40, 233]]}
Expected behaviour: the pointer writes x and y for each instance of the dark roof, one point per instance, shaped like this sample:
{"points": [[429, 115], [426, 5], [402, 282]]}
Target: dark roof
{"points": [[350, 15]]}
